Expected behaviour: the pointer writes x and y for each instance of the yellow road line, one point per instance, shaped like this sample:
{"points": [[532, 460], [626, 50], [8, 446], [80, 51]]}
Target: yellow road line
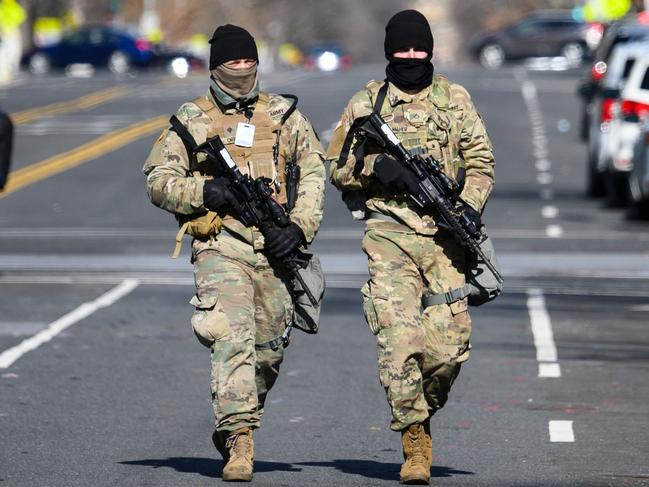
{"points": [[67, 160], [85, 102]]}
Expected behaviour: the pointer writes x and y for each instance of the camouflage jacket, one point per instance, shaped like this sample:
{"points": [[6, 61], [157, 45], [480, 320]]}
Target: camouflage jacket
{"points": [[442, 120], [172, 187]]}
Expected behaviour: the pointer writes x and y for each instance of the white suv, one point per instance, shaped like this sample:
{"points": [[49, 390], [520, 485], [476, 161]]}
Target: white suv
{"points": [[636, 98]]}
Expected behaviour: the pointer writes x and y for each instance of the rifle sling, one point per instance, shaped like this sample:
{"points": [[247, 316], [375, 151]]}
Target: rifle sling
{"points": [[378, 104], [188, 140]]}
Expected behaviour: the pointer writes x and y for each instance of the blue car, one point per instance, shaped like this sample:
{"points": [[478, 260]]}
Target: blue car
{"points": [[99, 46]]}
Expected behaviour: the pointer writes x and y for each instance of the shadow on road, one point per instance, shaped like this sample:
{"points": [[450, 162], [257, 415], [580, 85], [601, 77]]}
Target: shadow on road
{"points": [[208, 467], [378, 470]]}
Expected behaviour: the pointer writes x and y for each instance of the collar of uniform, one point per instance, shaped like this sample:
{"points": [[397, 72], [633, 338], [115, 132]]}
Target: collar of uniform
{"points": [[395, 95], [230, 109]]}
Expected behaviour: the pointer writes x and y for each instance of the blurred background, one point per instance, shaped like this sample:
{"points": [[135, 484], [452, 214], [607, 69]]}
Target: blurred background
{"points": [[101, 379]]}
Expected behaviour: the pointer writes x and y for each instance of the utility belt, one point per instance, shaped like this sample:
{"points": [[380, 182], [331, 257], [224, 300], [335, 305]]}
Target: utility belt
{"points": [[481, 285]]}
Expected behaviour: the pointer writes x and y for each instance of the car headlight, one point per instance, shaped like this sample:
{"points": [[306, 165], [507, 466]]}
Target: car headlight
{"points": [[328, 61], [180, 67]]}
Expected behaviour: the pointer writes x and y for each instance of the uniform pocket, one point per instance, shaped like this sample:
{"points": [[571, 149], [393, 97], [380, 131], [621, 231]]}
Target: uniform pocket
{"points": [[262, 168], [206, 324], [369, 310], [459, 307]]}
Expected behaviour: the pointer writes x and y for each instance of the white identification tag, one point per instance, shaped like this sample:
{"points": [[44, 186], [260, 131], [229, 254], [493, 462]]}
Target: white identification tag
{"points": [[245, 135]]}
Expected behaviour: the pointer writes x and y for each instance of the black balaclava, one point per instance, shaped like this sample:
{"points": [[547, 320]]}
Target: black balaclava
{"points": [[406, 29]]}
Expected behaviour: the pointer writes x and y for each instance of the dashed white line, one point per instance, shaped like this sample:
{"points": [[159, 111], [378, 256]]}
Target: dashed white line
{"points": [[561, 432], [554, 231], [544, 178], [546, 350], [9, 356], [549, 211]]}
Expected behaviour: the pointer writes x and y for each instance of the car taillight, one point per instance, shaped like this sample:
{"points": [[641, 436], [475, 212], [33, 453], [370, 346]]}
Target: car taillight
{"points": [[607, 109], [346, 62], [598, 71], [643, 17], [635, 108], [142, 44]]}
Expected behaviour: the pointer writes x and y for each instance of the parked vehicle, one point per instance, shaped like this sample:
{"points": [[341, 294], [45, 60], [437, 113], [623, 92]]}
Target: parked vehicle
{"points": [[608, 132], [552, 33], [622, 32], [636, 103], [99, 46]]}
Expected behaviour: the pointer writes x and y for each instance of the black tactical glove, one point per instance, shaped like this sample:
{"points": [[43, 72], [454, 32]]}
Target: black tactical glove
{"points": [[471, 218], [280, 242], [393, 175], [217, 196]]}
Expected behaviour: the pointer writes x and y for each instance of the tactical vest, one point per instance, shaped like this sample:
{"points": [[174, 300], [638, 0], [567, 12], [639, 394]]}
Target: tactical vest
{"points": [[420, 128], [258, 160]]}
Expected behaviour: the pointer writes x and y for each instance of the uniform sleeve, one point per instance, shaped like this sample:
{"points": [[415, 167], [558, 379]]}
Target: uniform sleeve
{"points": [[477, 152], [350, 174], [169, 183], [305, 148]]}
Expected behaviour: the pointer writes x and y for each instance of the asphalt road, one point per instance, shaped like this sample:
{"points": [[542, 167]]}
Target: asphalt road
{"points": [[555, 392]]}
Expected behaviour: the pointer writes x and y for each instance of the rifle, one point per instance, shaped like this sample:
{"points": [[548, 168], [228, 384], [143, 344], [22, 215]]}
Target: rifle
{"points": [[436, 189], [257, 207]]}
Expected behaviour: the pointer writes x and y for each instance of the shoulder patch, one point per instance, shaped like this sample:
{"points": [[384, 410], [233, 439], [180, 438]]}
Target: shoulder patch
{"points": [[188, 111]]}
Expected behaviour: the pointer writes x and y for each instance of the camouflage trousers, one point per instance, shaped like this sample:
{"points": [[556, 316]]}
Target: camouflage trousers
{"points": [[240, 301], [420, 352]]}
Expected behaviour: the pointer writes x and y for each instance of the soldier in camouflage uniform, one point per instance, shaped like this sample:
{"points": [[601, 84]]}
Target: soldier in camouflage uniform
{"points": [[242, 302], [419, 353]]}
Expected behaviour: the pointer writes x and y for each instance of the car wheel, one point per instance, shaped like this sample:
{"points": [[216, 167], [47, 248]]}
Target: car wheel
{"points": [[639, 210], [617, 189], [119, 62], [574, 54], [40, 64], [492, 56]]}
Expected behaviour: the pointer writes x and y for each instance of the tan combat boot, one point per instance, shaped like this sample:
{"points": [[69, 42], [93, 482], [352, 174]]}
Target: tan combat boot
{"points": [[241, 451], [417, 453]]}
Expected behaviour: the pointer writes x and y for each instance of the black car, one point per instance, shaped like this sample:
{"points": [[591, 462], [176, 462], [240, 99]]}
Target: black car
{"points": [[541, 34]]}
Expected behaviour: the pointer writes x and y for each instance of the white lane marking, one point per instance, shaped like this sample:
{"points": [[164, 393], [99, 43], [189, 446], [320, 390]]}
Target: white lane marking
{"points": [[544, 178], [550, 211], [543, 165], [561, 432], [9, 356], [640, 307], [554, 231], [549, 370], [546, 350], [296, 419], [540, 150]]}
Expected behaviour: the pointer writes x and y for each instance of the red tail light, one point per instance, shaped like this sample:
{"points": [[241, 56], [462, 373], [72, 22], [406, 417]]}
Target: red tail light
{"points": [[598, 70], [142, 44], [635, 108], [607, 109], [643, 17]]}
